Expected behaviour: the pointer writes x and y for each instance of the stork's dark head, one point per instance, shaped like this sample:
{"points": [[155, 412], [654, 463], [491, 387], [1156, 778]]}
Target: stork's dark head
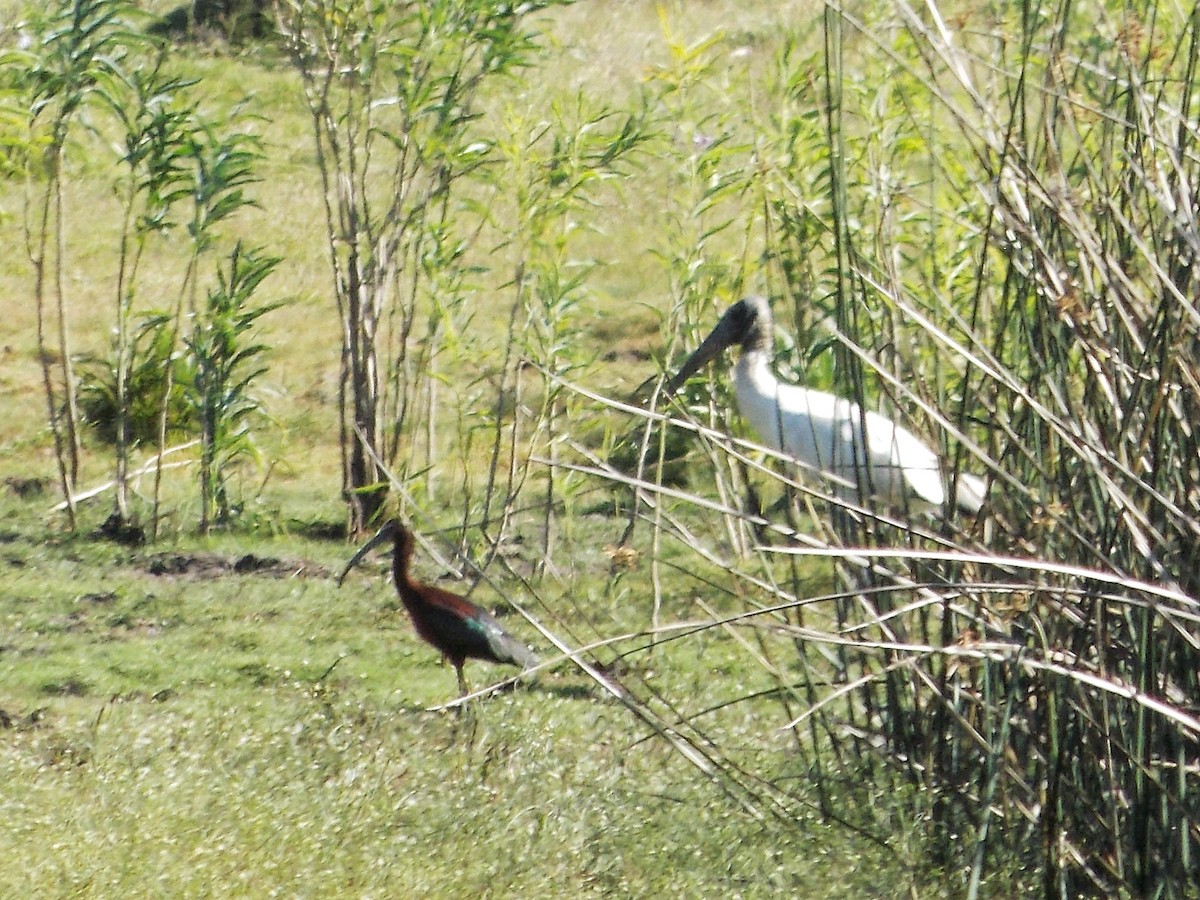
{"points": [[392, 530], [747, 322]]}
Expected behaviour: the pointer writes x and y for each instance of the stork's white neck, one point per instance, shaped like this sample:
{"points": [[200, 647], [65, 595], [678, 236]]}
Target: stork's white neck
{"points": [[754, 369], [758, 395]]}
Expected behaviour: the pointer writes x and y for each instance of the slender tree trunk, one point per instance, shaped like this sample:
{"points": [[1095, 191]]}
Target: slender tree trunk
{"points": [[65, 458], [365, 497], [70, 406]]}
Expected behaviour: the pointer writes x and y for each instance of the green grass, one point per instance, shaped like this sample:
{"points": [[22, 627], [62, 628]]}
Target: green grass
{"points": [[281, 790], [216, 734]]}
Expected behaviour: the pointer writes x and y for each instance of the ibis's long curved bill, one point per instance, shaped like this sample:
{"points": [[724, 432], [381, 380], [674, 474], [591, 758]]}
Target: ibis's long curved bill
{"points": [[384, 534], [725, 334]]}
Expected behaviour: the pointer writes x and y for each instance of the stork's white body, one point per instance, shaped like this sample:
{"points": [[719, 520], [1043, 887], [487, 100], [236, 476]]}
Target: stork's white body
{"points": [[826, 432], [866, 454]]}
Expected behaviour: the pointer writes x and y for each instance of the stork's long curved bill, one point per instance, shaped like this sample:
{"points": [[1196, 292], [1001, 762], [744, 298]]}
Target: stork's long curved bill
{"points": [[721, 337], [384, 534]]}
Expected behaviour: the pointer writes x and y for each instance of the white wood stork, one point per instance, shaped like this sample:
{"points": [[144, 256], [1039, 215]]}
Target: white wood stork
{"points": [[822, 430]]}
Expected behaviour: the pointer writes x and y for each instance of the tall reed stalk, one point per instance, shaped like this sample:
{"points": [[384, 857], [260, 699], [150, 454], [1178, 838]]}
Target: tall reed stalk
{"points": [[1000, 256], [1003, 258]]}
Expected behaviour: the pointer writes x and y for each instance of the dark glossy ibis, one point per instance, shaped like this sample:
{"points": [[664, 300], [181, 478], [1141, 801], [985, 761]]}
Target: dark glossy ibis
{"points": [[454, 625]]}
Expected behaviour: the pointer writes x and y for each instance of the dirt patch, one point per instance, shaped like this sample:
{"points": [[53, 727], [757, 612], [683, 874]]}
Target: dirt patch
{"points": [[26, 488], [101, 597], [319, 530], [216, 565], [67, 687], [119, 531], [21, 722]]}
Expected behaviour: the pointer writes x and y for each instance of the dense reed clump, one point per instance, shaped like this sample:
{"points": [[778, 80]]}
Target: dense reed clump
{"points": [[996, 235]]}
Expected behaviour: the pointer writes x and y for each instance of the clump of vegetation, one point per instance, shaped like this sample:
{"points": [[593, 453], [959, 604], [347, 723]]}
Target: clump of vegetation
{"points": [[394, 92], [223, 368], [950, 250], [177, 171], [235, 21], [155, 370], [76, 53]]}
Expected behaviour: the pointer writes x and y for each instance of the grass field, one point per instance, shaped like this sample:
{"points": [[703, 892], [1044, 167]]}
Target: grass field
{"points": [[210, 732], [217, 734], [211, 715]]}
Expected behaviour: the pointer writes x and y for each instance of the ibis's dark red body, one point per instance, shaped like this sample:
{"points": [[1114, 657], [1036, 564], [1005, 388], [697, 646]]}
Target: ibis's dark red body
{"points": [[454, 625]]}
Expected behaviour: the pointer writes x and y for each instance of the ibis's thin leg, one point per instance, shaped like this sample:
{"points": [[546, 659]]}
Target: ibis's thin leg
{"points": [[466, 711], [463, 687]]}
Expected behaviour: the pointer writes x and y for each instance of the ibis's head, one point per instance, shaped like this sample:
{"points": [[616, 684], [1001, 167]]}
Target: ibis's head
{"points": [[393, 530], [747, 322]]}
